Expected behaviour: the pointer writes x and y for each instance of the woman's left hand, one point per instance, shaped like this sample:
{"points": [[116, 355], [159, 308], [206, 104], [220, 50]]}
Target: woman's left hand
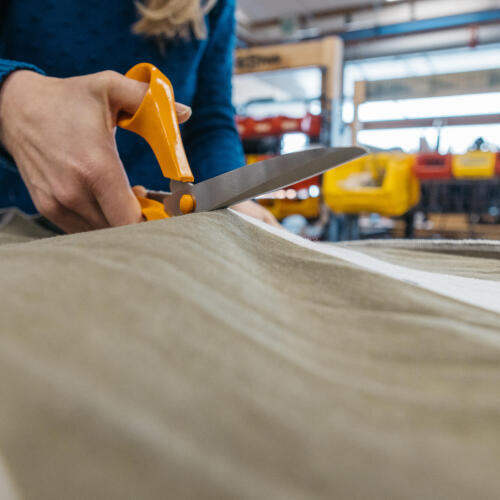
{"points": [[256, 211]]}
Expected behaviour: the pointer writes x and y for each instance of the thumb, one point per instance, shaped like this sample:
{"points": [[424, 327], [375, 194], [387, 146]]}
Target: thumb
{"points": [[183, 112], [127, 94]]}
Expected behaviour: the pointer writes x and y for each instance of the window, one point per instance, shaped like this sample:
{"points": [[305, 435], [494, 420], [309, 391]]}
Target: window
{"points": [[455, 139]]}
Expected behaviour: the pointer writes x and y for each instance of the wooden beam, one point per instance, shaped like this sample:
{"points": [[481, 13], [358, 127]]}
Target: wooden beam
{"points": [[324, 13], [322, 53], [437, 85], [441, 121]]}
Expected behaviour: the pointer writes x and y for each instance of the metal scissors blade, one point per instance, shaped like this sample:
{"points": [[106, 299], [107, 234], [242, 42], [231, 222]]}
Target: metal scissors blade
{"points": [[258, 178]]}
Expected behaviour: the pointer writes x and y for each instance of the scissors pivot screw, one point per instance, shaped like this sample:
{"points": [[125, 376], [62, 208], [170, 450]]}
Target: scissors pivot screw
{"points": [[187, 203]]}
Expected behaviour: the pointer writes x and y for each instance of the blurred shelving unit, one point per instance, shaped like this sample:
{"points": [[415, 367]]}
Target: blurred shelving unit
{"points": [[461, 199], [458, 191], [289, 100], [325, 55]]}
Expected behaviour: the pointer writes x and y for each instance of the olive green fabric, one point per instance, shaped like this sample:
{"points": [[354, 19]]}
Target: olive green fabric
{"points": [[202, 357], [16, 227]]}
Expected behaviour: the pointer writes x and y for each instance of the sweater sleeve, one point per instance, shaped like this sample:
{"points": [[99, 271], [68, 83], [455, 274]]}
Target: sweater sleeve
{"points": [[212, 142], [6, 68]]}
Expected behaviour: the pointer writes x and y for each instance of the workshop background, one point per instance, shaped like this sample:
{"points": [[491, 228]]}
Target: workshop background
{"points": [[417, 82]]}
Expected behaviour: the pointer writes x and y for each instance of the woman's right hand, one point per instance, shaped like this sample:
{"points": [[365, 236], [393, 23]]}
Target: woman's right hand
{"points": [[61, 134]]}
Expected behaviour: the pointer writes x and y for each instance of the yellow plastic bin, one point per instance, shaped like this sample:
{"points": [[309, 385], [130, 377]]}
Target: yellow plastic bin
{"points": [[474, 164], [396, 188]]}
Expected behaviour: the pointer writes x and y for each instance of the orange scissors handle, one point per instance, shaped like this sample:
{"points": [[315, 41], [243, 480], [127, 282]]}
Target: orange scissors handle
{"points": [[156, 121], [152, 209]]}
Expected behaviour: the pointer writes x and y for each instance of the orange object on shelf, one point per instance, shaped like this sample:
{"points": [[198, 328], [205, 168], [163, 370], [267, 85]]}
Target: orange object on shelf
{"points": [[262, 127], [287, 124], [244, 125], [248, 128], [497, 165], [307, 183], [432, 166]]}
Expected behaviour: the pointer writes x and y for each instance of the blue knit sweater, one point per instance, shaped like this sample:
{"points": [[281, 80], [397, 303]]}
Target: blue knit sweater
{"points": [[75, 37]]}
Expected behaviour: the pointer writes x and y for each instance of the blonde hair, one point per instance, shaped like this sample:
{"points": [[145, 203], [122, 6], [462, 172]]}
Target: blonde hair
{"points": [[173, 18]]}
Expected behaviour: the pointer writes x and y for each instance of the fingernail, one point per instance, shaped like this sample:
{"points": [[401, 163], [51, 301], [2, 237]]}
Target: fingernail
{"points": [[182, 109]]}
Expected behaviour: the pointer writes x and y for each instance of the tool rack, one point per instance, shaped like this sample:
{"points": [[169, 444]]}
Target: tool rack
{"points": [[472, 192]]}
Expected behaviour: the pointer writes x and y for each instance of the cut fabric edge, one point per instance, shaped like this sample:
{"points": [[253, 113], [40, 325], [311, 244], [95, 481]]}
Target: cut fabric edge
{"points": [[8, 490], [484, 294], [444, 245]]}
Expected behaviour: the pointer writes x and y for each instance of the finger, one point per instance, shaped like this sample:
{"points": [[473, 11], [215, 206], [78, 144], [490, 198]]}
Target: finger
{"points": [[79, 200], [271, 219], [68, 221], [183, 112], [140, 191], [113, 192], [97, 218], [268, 217]]}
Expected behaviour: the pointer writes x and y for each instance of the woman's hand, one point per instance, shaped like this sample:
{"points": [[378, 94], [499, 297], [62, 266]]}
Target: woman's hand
{"points": [[256, 211], [60, 133]]}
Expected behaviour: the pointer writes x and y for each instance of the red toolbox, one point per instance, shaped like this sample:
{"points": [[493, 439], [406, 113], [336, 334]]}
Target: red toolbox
{"points": [[432, 166]]}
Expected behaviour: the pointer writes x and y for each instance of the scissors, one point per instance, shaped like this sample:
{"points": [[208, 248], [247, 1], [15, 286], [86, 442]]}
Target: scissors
{"points": [[156, 121]]}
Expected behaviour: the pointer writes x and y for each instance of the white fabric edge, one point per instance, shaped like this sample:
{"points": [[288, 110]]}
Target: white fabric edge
{"points": [[8, 490], [416, 244], [484, 294]]}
